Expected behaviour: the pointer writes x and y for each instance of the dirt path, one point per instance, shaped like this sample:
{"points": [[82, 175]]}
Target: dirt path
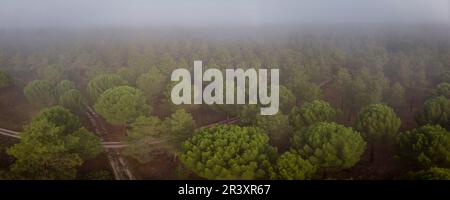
{"points": [[9, 133], [119, 165]]}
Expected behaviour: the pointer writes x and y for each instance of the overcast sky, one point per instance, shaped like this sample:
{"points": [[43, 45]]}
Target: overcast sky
{"points": [[55, 13]]}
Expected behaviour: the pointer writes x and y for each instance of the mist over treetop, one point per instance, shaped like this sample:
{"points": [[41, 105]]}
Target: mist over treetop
{"points": [[85, 13]]}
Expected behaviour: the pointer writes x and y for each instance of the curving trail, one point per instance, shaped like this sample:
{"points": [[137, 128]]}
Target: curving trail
{"points": [[118, 145], [9, 133], [106, 145], [118, 163]]}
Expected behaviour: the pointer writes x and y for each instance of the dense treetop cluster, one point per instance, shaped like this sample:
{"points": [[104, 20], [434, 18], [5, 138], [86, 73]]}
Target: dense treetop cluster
{"points": [[345, 99]]}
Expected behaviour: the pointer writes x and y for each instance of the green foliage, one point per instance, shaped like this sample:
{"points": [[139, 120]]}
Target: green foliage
{"points": [[52, 73], [442, 89], [287, 99], [168, 105], [360, 89], [181, 173], [52, 146], [444, 76], [395, 96], [434, 173], [311, 113], [43, 93], [303, 89], [103, 82], [304, 61], [99, 175], [342, 84], [329, 146], [145, 135], [64, 86], [96, 70], [359, 93], [152, 84], [400, 68], [72, 100], [229, 152], [277, 127], [426, 146], [435, 111], [84, 143], [7, 175], [366, 88], [248, 113], [43, 159], [148, 134], [121, 105], [309, 92], [377, 121], [180, 124], [60, 117], [128, 74], [5, 79], [291, 166], [40, 93], [371, 55], [342, 81]]}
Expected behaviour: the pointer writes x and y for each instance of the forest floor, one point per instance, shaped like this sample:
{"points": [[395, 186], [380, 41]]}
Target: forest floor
{"points": [[15, 111], [383, 166], [164, 165]]}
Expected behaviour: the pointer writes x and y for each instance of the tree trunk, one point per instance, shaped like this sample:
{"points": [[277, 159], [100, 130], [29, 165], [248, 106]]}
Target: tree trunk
{"points": [[411, 102], [349, 117], [372, 151]]}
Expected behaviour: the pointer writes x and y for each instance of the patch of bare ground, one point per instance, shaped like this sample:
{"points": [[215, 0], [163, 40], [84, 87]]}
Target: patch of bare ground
{"points": [[113, 133], [15, 110], [97, 164], [382, 167], [164, 166]]}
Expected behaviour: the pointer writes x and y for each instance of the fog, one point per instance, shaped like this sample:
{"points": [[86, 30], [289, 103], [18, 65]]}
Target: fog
{"points": [[95, 13]]}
